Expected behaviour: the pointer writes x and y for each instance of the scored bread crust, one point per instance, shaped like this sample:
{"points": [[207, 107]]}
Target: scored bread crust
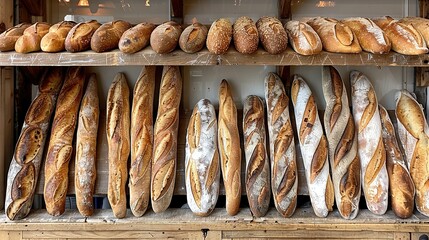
{"points": [[54, 40], [194, 37], [272, 34], [165, 37], [245, 35], [9, 37], [30, 39], [303, 39], [136, 38], [107, 36], [79, 37], [420, 24], [219, 36]]}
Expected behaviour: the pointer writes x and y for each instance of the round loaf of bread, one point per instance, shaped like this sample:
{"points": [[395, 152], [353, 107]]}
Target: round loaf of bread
{"points": [[193, 37], [165, 37], [219, 36], [246, 37]]}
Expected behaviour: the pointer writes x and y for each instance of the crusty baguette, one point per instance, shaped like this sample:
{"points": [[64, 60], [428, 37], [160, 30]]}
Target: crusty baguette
{"points": [[54, 40], [370, 36], [272, 34], [107, 36], [30, 39], [229, 148], [257, 177], [9, 37], [141, 141], [194, 37], [202, 171], [401, 184], [375, 181], [60, 147], [314, 148], [245, 35], [284, 173], [336, 37], [342, 143], [118, 142], [303, 39], [165, 37], [27, 159], [165, 139], [413, 133], [405, 39], [219, 36], [136, 38], [420, 24], [79, 37], [86, 148]]}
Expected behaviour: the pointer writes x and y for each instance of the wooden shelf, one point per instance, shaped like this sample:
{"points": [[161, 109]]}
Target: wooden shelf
{"points": [[202, 58]]}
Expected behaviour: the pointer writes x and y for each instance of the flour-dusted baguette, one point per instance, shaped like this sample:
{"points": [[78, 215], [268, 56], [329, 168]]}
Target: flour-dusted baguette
{"points": [[284, 173], [86, 148], [375, 181], [405, 39], [30, 39], [54, 40], [107, 36], [194, 37], [342, 143], [9, 37], [136, 38], [219, 36], [202, 171], [257, 177], [303, 39], [245, 35], [165, 37], [229, 148], [141, 141], [420, 24], [118, 142], [60, 147], [165, 139], [370, 36], [413, 133], [401, 184], [272, 34], [314, 148], [336, 37], [79, 37], [27, 159]]}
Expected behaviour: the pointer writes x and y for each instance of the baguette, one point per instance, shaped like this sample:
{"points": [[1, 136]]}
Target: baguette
{"points": [[229, 148], [257, 167], [420, 24], [165, 139], [342, 143], [284, 173], [165, 37], [413, 134], [272, 34], [314, 148], [30, 39], [401, 184], [202, 174], [136, 38], [79, 37], [336, 37], [107, 36], [25, 165], [118, 142], [371, 38], [86, 148], [193, 37], [246, 37], [219, 36], [54, 40], [9, 37], [141, 141], [60, 147], [303, 39], [375, 181]]}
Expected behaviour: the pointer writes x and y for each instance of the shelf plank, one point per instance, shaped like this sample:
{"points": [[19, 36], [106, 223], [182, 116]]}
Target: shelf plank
{"points": [[148, 57]]}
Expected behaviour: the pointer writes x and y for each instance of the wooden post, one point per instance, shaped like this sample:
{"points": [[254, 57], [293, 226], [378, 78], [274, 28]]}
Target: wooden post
{"points": [[422, 73], [177, 11]]}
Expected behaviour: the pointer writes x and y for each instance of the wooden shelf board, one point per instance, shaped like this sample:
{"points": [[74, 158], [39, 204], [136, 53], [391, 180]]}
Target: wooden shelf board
{"points": [[148, 57]]}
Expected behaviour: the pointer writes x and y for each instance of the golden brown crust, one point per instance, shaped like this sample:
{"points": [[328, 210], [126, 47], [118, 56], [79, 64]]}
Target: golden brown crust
{"points": [[165, 37], [136, 38], [9, 37], [193, 38], [30, 39], [79, 37], [246, 37], [54, 40], [107, 36], [219, 36], [272, 34], [303, 39]]}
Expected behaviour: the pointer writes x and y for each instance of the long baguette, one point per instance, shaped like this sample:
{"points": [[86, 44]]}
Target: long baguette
{"points": [[25, 165], [60, 147], [284, 173]]}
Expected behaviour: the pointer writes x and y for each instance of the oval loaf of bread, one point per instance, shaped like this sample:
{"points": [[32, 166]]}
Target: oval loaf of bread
{"points": [[107, 36], [202, 171], [375, 180], [272, 34], [245, 34], [136, 38], [342, 142], [219, 36], [9, 37], [165, 37], [54, 40], [194, 37], [314, 148], [284, 173], [79, 37], [30, 39], [421, 24], [303, 39]]}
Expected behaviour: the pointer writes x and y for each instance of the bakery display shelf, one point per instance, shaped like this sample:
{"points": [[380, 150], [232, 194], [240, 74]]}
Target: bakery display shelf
{"points": [[204, 57]]}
